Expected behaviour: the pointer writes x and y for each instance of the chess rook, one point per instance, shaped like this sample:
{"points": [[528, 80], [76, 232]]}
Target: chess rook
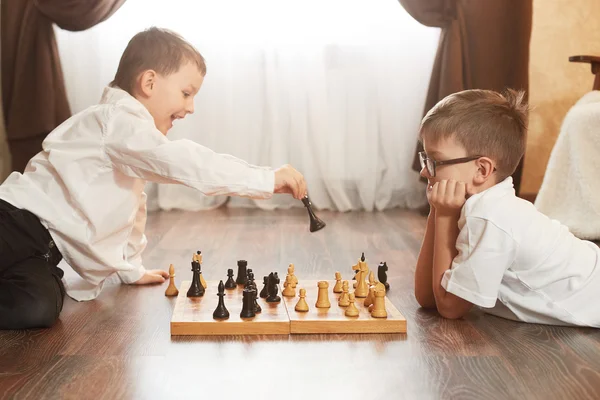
{"points": [[248, 304], [379, 305], [323, 296], [242, 276]]}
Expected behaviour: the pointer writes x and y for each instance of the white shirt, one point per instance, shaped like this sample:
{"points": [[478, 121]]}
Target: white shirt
{"points": [[86, 186], [537, 269]]}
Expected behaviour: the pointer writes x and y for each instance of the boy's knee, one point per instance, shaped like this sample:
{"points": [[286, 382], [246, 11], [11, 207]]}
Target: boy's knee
{"points": [[31, 314]]}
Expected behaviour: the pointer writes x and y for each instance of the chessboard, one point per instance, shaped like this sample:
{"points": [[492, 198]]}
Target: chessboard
{"points": [[334, 320], [194, 315]]}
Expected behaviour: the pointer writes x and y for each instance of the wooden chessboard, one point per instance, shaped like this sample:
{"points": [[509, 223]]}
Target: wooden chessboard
{"points": [[193, 316], [333, 320]]}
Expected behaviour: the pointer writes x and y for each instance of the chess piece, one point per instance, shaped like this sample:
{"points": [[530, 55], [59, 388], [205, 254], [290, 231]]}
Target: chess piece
{"points": [[315, 223], [369, 298], [302, 305], [199, 261], [230, 284], [288, 290], [264, 292], [338, 283], [344, 300], [323, 296], [249, 278], [382, 275], [351, 310], [379, 304], [294, 278], [242, 275], [221, 312], [172, 289], [252, 285], [196, 289], [272, 288], [361, 289], [248, 303]]}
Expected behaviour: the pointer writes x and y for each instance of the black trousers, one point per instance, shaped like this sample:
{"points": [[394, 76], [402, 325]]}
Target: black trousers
{"points": [[31, 290]]}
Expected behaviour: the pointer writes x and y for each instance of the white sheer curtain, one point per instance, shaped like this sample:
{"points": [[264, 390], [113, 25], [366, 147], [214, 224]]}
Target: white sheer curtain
{"points": [[334, 87]]}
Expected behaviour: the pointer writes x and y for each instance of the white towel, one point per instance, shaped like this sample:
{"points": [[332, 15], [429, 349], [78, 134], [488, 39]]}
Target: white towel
{"points": [[570, 191]]}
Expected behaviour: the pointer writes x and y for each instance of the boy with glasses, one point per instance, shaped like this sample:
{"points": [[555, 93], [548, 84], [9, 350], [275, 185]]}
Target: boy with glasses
{"points": [[484, 246]]}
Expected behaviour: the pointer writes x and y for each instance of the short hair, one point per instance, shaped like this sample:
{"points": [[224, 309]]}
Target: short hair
{"points": [[485, 123], [158, 49]]}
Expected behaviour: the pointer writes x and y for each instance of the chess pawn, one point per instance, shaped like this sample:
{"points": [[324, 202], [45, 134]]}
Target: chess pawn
{"points": [[344, 300], [230, 284], [242, 275], [294, 278], [371, 278], [221, 312], [351, 310], [288, 285], [379, 305], [264, 292], [172, 289], [323, 296], [248, 303], [302, 305], [338, 283], [382, 274], [315, 223]]}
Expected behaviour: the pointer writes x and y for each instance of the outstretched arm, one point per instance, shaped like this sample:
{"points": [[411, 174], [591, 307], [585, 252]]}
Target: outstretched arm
{"points": [[424, 268]]}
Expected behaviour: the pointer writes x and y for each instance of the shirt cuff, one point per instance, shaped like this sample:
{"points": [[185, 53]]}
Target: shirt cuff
{"points": [[452, 287], [132, 275], [262, 184]]}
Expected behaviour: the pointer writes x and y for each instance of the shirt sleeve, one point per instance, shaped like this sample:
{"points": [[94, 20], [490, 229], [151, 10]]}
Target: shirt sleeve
{"points": [[485, 252], [135, 245], [137, 149]]}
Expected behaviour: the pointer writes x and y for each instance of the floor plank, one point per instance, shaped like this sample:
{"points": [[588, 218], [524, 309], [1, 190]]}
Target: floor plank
{"points": [[119, 346]]}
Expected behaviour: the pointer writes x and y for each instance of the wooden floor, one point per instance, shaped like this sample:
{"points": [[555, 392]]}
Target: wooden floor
{"points": [[119, 346]]}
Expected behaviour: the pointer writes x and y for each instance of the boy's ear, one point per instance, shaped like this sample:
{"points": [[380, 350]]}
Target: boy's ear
{"points": [[485, 169], [147, 81]]}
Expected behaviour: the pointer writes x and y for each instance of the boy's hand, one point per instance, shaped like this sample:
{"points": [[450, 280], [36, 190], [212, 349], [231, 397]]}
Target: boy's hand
{"points": [[152, 276], [288, 180], [448, 196]]}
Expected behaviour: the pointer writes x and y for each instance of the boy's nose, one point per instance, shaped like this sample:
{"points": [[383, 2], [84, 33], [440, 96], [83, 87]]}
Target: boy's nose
{"points": [[190, 108]]}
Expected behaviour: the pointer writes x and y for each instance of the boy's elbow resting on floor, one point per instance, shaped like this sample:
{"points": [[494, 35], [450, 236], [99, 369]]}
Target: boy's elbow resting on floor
{"points": [[424, 300], [450, 313]]}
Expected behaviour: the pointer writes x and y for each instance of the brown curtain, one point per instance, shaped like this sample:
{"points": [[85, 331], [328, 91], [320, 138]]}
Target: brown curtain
{"points": [[484, 44], [33, 89]]}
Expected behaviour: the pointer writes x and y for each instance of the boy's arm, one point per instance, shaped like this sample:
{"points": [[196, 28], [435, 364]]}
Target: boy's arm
{"points": [[136, 148], [135, 245], [448, 197], [424, 269]]}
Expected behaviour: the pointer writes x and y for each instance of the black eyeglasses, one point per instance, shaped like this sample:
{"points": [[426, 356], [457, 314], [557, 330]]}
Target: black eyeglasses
{"points": [[432, 164]]}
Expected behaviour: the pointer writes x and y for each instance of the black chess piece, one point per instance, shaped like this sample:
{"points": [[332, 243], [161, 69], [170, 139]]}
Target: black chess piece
{"points": [[248, 303], [272, 288], [264, 292], [196, 289], [242, 276], [382, 274], [315, 223], [230, 284], [252, 285], [221, 312], [249, 278]]}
